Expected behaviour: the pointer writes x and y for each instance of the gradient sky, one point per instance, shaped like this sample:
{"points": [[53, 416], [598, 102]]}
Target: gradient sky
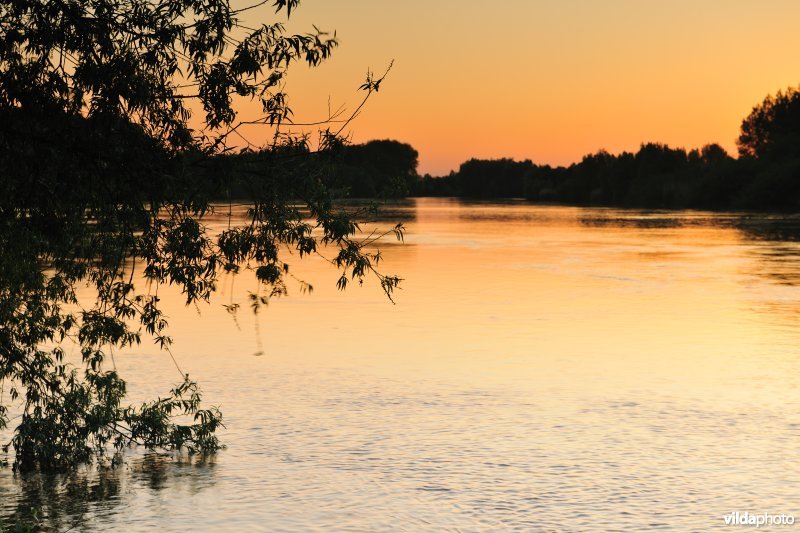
{"points": [[545, 80]]}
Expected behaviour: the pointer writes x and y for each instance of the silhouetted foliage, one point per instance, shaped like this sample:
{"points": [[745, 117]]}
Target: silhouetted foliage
{"points": [[433, 186], [382, 168], [105, 183], [655, 176], [772, 129], [765, 176], [491, 179], [376, 169]]}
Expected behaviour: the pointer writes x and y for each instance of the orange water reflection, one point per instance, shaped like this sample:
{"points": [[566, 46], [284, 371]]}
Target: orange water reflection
{"points": [[529, 297], [543, 368]]}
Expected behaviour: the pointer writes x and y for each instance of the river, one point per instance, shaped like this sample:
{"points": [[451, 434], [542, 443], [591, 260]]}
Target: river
{"points": [[543, 368]]}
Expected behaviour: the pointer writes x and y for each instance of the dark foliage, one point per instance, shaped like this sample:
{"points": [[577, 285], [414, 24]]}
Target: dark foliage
{"points": [[376, 169], [385, 169], [104, 184], [765, 176], [772, 129]]}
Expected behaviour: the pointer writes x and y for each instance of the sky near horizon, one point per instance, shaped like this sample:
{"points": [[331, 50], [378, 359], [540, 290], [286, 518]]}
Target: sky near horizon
{"points": [[545, 80]]}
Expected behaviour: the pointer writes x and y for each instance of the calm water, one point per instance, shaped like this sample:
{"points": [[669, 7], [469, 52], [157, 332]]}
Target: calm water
{"points": [[545, 368]]}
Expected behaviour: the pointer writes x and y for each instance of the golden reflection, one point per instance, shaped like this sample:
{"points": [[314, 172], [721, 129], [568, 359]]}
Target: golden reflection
{"points": [[517, 296], [588, 367]]}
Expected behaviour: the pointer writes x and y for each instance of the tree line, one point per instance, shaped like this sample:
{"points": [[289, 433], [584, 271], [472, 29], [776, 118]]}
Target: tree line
{"points": [[766, 174], [375, 169]]}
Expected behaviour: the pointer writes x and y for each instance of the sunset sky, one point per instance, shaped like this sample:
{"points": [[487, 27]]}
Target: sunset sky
{"points": [[546, 80]]}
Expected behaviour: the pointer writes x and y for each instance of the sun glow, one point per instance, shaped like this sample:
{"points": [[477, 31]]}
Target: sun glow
{"points": [[545, 80]]}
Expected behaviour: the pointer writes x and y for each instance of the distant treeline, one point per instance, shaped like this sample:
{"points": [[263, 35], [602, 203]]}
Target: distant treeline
{"points": [[655, 176], [766, 175], [376, 169]]}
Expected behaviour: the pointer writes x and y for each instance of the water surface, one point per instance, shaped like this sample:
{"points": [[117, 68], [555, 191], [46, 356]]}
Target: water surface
{"points": [[544, 368]]}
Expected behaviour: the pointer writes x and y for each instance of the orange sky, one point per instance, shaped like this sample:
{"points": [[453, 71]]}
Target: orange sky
{"points": [[546, 80]]}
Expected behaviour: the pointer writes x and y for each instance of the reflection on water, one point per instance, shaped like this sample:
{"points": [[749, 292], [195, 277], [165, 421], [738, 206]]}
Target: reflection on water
{"points": [[545, 368], [639, 220], [66, 502], [778, 228]]}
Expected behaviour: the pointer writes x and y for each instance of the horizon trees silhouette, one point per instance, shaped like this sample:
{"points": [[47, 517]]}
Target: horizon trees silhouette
{"points": [[765, 176], [772, 129]]}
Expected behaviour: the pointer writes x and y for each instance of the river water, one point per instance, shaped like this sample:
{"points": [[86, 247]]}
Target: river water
{"points": [[543, 369]]}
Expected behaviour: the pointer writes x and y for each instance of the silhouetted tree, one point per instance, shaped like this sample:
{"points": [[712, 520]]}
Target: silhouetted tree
{"points": [[771, 136], [772, 129], [766, 175], [384, 168], [100, 185], [497, 178]]}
